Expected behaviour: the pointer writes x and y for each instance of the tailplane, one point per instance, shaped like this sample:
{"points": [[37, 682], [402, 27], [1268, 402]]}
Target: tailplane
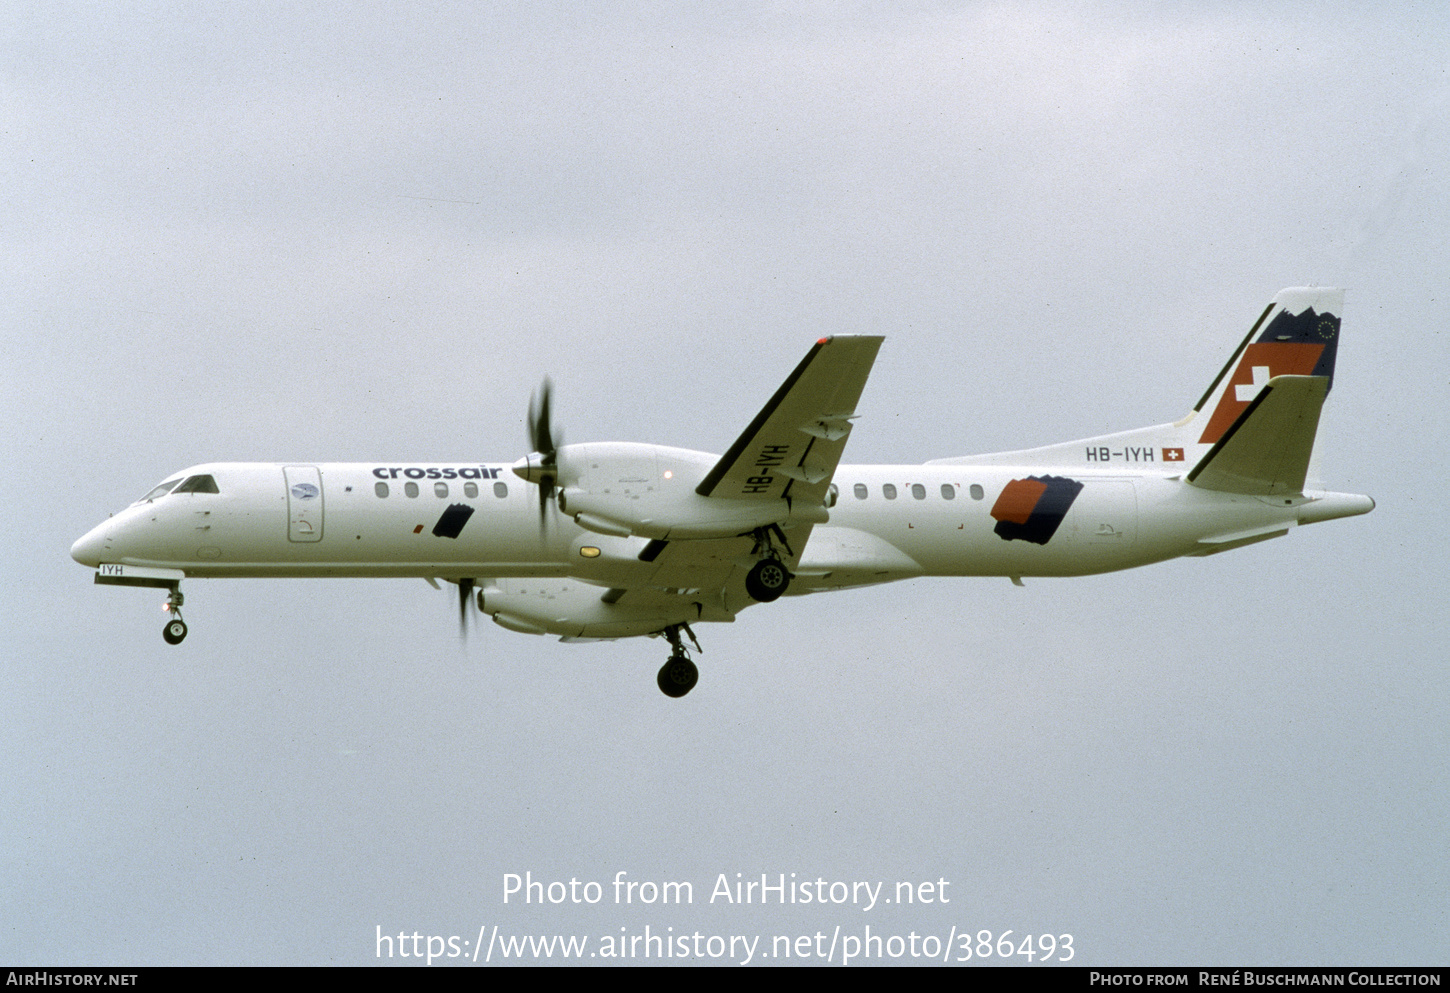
{"points": [[1266, 451]]}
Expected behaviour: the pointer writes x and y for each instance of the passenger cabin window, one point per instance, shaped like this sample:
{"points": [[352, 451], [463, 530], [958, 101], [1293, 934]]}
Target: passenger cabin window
{"points": [[470, 489], [500, 490], [381, 489], [860, 490], [976, 491], [918, 491], [948, 491], [889, 491], [198, 484], [440, 490], [411, 489]]}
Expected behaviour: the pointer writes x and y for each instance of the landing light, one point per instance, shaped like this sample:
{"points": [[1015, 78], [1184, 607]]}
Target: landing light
{"points": [[669, 474], [589, 552]]}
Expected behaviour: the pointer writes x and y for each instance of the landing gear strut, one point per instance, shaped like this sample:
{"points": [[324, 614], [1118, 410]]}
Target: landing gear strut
{"points": [[678, 675], [175, 629]]}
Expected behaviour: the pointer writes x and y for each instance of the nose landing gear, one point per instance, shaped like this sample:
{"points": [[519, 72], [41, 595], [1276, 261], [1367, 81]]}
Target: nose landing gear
{"points": [[175, 629], [678, 675], [118, 574]]}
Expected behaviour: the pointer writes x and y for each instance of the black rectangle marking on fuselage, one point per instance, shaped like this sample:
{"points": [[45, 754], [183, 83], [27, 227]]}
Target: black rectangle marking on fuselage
{"points": [[450, 525]]}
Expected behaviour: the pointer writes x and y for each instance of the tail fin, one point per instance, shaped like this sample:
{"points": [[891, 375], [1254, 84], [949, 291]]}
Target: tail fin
{"points": [[1263, 409], [1296, 335], [1238, 438]]}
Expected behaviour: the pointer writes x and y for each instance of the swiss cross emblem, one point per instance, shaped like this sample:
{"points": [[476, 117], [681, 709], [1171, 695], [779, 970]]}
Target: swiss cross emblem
{"points": [[1247, 391]]}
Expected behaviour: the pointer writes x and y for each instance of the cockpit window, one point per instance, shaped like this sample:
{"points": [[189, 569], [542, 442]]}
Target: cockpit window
{"points": [[161, 490], [192, 484], [198, 484]]}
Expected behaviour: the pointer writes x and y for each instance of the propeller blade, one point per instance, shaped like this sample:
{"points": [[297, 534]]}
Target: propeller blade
{"points": [[541, 434], [546, 443], [465, 591]]}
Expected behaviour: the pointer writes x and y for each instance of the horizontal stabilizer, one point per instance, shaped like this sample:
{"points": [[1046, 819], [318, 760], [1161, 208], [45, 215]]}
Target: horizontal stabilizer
{"points": [[1266, 450]]}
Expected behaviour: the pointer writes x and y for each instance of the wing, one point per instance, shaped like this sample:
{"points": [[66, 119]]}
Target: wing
{"points": [[790, 451], [793, 446], [701, 579]]}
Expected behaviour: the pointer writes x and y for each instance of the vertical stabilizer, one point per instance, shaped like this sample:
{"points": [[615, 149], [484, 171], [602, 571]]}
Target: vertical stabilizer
{"points": [[1295, 338], [1297, 335]]}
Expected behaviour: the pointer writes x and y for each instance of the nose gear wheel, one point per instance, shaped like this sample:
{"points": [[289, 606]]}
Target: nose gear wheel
{"points": [[175, 630]]}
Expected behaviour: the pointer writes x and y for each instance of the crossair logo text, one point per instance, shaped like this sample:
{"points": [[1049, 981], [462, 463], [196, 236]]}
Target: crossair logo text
{"points": [[438, 472]]}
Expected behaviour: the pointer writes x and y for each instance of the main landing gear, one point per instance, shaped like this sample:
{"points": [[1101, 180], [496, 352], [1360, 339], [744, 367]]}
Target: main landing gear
{"points": [[768, 578], [175, 629], [678, 675]]}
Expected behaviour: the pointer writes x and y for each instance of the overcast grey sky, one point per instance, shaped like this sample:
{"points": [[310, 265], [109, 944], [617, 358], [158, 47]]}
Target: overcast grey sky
{"points": [[272, 232]]}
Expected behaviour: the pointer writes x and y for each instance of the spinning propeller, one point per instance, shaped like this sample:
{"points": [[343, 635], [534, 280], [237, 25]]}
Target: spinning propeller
{"points": [[542, 466]]}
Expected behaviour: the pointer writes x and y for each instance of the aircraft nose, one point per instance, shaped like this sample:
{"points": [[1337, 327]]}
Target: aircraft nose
{"points": [[87, 551]]}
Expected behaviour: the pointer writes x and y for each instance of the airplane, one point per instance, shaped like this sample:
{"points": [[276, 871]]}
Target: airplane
{"points": [[606, 540]]}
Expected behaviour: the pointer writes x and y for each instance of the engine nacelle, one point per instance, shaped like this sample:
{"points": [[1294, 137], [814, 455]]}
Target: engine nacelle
{"points": [[622, 489], [573, 609]]}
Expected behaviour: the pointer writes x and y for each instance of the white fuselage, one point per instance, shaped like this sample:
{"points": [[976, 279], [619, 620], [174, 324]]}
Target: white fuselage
{"points": [[377, 519]]}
